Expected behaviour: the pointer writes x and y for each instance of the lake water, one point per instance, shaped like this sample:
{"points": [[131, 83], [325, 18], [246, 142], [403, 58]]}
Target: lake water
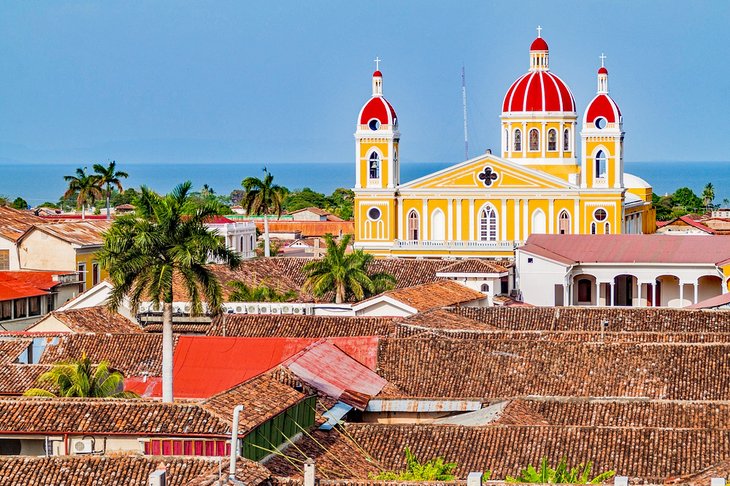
{"points": [[37, 183]]}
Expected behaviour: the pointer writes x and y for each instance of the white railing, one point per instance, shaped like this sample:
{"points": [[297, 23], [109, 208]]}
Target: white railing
{"points": [[503, 245]]}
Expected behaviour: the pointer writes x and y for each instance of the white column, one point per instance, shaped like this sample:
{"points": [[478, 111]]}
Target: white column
{"points": [[424, 218], [597, 293], [525, 219], [503, 218], [576, 217], [681, 294], [566, 293], [551, 216], [560, 138], [450, 219], [543, 140], [518, 236], [525, 139], [459, 236], [609, 298], [401, 217], [724, 286], [510, 141], [471, 220], [696, 286]]}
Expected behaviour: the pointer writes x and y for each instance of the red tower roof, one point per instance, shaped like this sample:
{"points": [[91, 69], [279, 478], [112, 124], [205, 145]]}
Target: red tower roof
{"points": [[538, 91], [602, 70], [378, 74], [377, 107], [602, 106], [539, 44]]}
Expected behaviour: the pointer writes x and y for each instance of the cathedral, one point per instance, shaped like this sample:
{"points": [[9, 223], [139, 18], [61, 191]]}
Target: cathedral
{"points": [[554, 174]]}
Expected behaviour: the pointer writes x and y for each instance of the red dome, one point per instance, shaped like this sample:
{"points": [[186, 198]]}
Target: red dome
{"points": [[378, 108], [602, 70], [538, 91], [602, 106], [378, 74], [539, 44]]}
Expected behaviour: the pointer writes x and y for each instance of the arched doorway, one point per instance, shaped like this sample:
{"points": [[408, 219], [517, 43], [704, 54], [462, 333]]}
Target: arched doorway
{"points": [[538, 222], [438, 226], [413, 225], [624, 290]]}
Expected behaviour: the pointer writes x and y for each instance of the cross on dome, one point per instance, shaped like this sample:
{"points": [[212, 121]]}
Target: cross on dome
{"points": [[539, 31], [603, 58], [377, 63]]}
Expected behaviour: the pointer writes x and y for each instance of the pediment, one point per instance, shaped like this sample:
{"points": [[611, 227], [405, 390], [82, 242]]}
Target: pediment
{"points": [[488, 172]]}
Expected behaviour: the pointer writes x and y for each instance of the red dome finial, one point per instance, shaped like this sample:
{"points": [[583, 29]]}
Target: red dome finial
{"points": [[602, 69], [539, 43]]}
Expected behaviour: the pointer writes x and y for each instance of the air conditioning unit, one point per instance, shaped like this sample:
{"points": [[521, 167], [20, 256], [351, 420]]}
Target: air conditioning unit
{"points": [[251, 309], [83, 446], [275, 310], [263, 309], [239, 309], [297, 310], [177, 309], [285, 309]]}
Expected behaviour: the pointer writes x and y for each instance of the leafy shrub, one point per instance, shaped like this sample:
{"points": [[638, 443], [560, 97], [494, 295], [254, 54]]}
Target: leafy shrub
{"points": [[580, 474], [436, 469]]}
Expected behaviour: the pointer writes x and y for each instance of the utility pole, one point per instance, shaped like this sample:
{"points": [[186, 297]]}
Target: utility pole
{"points": [[463, 99]]}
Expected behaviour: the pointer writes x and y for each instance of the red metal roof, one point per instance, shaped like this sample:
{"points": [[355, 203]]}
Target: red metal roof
{"points": [[653, 248], [378, 107], [539, 44], [538, 91], [206, 365], [603, 106], [20, 284], [219, 220]]}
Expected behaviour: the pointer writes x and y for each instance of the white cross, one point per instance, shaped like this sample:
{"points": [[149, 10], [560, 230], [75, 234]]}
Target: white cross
{"points": [[603, 58], [539, 30], [377, 63]]}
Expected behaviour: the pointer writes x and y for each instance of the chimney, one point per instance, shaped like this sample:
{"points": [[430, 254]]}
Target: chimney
{"points": [[158, 477], [309, 472], [621, 481], [717, 482], [474, 479]]}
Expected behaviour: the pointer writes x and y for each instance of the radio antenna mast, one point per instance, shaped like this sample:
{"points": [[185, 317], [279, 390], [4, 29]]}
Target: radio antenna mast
{"points": [[463, 99]]}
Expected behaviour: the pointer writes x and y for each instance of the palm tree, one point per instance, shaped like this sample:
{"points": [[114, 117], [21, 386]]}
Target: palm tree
{"points": [[85, 187], [344, 273], [109, 176], [262, 196], [79, 378], [260, 293], [708, 195], [165, 239]]}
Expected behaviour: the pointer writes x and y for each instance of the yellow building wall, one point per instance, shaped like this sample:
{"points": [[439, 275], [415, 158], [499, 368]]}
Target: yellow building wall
{"points": [[89, 259], [366, 148]]}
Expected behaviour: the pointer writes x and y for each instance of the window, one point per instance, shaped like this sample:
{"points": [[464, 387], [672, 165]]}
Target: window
{"points": [[374, 124], [564, 223], [566, 140], [552, 140], [6, 310], [488, 224], [585, 287], [485, 288], [438, 226], [82, 276], [50, 302], [374, 214], [607, 228], [21, 308], [534, 140], [4, 259], [600, 164], [600, 214], [95, 273], [518, 140], [374, 166], [413, 225], [593, 228], [34, 306], [600, 123]]}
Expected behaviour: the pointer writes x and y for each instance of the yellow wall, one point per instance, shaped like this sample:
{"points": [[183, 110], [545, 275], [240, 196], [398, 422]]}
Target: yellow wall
{"points": [[89, 258]]}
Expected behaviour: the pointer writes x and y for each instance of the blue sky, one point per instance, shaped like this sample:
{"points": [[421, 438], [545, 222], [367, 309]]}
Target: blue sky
{"points": [[219, 81]]}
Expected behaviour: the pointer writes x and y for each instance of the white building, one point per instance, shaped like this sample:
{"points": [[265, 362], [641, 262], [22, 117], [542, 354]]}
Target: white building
{"points": [[623, 270], [240, 236]]}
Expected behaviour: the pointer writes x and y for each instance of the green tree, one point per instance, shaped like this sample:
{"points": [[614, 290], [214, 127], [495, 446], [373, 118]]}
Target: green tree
{"points": [[85, 187], [80, 378], [708, 196], [304, 198], [561, 474], [687, 199], [262, 197], [436, 469], [664, 206], [342, 202], [260, 293], [344, 273], [20, 203], [107, 177], [165, 238]]}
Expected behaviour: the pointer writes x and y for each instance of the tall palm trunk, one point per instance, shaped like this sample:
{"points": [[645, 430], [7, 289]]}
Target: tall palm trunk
{"points": [[83, 211], [340, 293], [267, 247], [167, 352], [108, 213]]}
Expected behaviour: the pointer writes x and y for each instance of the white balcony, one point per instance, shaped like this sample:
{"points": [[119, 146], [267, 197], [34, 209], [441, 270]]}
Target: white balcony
{"points": [[503, 245]]}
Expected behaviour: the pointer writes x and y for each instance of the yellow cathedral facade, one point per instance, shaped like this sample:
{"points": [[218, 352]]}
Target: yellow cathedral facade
{"points": [[555, 174]]}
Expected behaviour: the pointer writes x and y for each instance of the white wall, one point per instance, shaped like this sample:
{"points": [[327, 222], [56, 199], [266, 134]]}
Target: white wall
{"points": [[12, 252], [537, 278], [40, 251]]}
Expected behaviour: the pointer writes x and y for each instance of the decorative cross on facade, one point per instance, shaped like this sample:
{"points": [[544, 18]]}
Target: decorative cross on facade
{"points": [[539, 31], [377, 63], [603, 58], [487, 176]]}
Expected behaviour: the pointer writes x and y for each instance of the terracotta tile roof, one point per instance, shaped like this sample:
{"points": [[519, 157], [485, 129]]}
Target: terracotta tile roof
{"points": [[180, 327], [447, 368], [438, 322], [14, 222], [590, 318], [121, 469], [107, 415], [645, 454], [16, 379], [82, 233], [10, 349], [654, 248], [95, 320], [689, 222], [309, 228], [263, 397], [132, 354], [474, 265], [313, 210], [252, 325], [441, 293], [712, 302]]}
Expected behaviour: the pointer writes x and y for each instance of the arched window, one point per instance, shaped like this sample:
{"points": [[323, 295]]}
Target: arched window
{"points": [[585, 289], [438, 226], [518, 140], [538, 222], [552, 140], [374, 166], [593, 228], [534, 140], [564, 222], [600, 164], [607, 228], [566, 140], [488, 224], [485, 288], [413, 225]]}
